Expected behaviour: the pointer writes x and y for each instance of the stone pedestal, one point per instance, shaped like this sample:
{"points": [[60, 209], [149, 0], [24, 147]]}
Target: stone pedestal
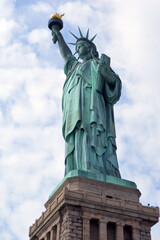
{"points": [[87, 209]]}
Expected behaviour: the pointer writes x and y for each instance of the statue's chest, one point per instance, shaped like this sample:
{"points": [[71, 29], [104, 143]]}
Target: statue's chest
{"points": [[85, 70]]}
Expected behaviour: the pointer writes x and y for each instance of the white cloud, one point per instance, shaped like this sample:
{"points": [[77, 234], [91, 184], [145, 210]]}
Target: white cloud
{"points": [[40, 36], [6, 8], [17, 54], [73, 10], [42, 7], [8, 27]]}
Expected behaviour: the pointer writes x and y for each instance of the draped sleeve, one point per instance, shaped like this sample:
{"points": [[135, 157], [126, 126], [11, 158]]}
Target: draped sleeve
{"points": [[112, 91], [70, 65]]}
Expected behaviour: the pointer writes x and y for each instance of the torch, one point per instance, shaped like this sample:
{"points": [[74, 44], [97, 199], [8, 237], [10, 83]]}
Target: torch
{"points": [[55, 23]]}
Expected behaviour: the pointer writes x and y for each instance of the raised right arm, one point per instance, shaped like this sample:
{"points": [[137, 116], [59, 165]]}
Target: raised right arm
{"points": [[63, 47]]}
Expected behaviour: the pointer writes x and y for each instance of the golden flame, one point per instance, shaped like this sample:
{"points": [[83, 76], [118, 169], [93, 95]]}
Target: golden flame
{"points": [[56, 15]]}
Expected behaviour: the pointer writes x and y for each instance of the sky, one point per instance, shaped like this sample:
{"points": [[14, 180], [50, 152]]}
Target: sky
{"points": [[31, 82]]}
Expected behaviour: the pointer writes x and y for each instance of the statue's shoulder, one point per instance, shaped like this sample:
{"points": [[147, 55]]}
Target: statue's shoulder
{"points": [[70, 64]]}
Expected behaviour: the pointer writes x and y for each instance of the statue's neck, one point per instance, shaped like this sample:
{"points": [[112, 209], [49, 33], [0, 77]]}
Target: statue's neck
{"points": [[86, 58]]}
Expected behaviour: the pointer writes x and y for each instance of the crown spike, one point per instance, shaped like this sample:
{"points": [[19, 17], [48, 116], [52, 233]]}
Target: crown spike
{"points": [[87, 35], [93, 38], [80, 32], [72, 44], [74, 35]]}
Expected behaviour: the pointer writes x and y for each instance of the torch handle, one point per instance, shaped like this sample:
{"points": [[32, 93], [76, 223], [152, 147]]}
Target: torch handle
{"points": [[54, 34], [55, 24]]}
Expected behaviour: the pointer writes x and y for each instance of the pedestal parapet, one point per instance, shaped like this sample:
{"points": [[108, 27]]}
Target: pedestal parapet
{"points": [[85, 209]]}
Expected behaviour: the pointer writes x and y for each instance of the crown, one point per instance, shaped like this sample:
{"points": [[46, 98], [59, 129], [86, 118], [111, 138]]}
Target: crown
{"points": [[82, 38]]}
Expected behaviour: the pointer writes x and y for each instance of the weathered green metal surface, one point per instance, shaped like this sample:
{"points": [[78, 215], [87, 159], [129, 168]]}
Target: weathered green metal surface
{"points": [[90, 90]]}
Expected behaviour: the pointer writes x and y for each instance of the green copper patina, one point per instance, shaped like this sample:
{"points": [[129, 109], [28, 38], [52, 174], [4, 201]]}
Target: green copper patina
{"points": [[90, 91]]}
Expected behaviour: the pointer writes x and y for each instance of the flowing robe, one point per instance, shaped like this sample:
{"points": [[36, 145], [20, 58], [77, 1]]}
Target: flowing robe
{"points": [[88, 121]]}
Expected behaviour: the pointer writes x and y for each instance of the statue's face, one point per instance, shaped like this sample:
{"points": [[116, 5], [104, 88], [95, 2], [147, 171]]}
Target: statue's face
{"points": [[83, 49]]}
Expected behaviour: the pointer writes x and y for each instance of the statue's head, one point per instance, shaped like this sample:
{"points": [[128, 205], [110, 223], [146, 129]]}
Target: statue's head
{"points": [[85, 47]]}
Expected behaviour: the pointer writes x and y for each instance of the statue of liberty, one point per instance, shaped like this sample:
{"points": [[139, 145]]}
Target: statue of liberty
{"points": [[90, 91]]}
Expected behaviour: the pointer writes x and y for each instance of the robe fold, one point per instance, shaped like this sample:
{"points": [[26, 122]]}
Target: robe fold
{"points": [[88, 121]]}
